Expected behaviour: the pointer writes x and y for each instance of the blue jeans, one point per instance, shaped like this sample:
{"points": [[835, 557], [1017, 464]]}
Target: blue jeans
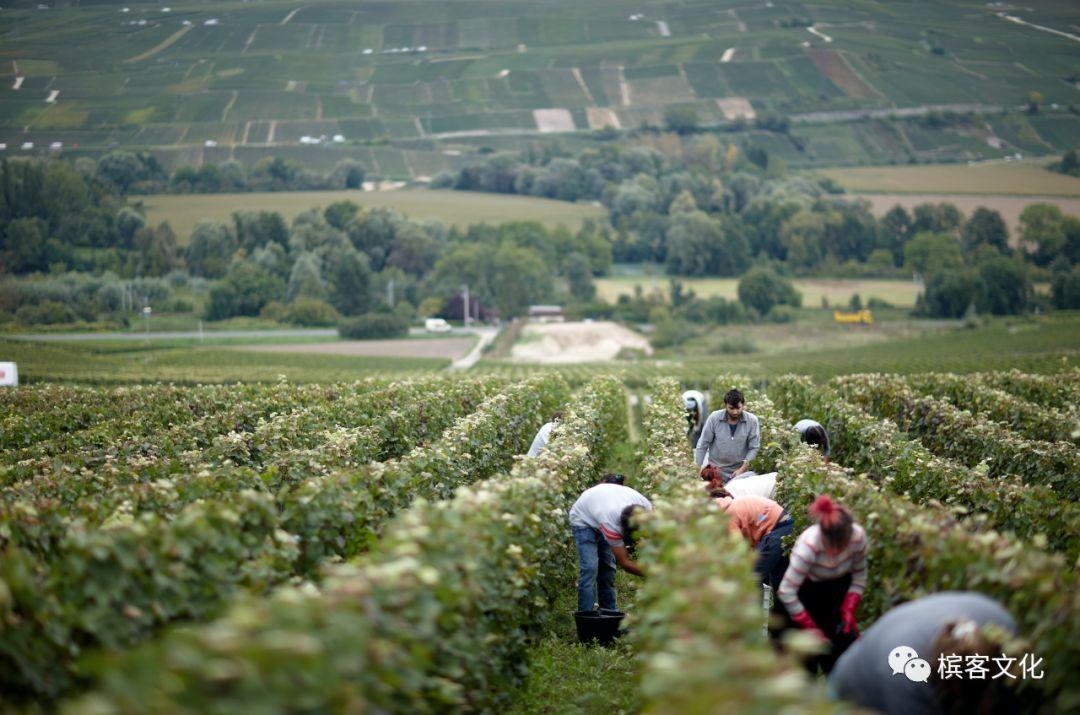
{"points": [[772, 563], [596, 569]]}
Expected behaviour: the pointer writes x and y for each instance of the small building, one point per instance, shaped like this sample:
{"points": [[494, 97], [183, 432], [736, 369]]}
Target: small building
{"points": [[546, 313]]}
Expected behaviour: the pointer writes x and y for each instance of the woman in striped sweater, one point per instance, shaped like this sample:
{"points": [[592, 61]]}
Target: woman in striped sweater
{"points": [[825, 579]]}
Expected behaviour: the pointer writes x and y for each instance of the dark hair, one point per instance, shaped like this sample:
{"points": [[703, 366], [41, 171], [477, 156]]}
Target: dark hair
{"points": [[612, 478], [626, 525], [556, 415], [709, 473], [835, 521], [816, 436], [957, 696], [734, 398]]}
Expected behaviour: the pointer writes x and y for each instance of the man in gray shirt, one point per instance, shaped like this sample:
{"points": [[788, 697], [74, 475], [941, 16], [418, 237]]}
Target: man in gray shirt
{"points": [[730, 439]]}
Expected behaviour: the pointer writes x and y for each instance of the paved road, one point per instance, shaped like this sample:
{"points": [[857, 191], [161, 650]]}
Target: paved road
{"points": [[487, 335], [181, 335], [235, 334]]}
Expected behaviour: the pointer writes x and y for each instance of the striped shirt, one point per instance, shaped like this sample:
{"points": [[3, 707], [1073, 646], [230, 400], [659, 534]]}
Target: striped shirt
{"points": [[810, 560]]}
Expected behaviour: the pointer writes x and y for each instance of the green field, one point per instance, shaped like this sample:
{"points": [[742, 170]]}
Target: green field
{"points": [[111, 364], [457, 208], [1014, 178], [837, 291]]}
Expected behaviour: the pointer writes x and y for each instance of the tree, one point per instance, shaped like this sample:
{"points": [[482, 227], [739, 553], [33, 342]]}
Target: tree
{"points": [[305, 280], [985, 228], [931, 252], [1042, 232], [25, 244], [255, 229], [348, 173], [700, 245], [128, 221], [244, 291], [949, 294], [896, 230], [120, 169], [210, 249], [339, 213], [413, 250], [579, 278], [681, 118], [803, 238], [156, 252], [1070, 164], [937, 218], [761, 288], [1007, 289], [349, 275], [1065, 289]]}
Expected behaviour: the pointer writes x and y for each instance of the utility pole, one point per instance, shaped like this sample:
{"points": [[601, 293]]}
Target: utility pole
{"points": [[390, 293], [465, 303]]}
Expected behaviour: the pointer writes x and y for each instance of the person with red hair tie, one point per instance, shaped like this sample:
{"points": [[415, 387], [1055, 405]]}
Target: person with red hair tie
{"points": [[824, 581]]}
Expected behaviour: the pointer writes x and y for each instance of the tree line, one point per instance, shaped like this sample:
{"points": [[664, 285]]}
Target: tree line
{"points": [[698, 215]]}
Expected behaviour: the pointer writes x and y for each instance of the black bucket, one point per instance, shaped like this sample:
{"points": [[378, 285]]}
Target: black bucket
{"points": [[601, 626]]}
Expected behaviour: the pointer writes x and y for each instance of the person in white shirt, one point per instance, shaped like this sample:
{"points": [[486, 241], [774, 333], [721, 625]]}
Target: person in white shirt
{"points": [[601, 524], [697, 411], [543, 436]]}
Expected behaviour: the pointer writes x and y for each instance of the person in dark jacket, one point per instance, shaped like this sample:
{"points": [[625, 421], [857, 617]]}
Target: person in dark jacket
{"points": [[813, 433]]}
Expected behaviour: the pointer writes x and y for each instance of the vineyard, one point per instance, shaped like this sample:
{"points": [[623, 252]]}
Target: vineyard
{"points": [[383, 546]]}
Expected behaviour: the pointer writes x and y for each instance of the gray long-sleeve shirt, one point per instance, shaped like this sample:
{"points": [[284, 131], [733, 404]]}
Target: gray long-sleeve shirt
{"points": [[724, 450]]}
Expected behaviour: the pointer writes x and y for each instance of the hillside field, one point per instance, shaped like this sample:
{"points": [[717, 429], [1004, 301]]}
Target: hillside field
{"points": [[399, 82], [457, 208], [838, 292]]}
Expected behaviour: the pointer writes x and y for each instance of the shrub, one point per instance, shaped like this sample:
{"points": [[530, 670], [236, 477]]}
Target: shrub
{"points": [[782, 314], [761, 288], [310, 311], [370, 326], [47, 312]]}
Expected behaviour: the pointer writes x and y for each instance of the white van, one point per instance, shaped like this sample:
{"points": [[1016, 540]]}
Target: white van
{"points": [[436, 325]]}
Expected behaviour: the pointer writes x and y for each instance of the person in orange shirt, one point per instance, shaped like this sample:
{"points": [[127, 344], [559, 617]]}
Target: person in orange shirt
{"points": [[763, 523]]}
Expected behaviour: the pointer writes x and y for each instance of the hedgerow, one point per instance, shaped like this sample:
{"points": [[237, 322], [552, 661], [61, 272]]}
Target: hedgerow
{"points": [[918, 550], [874, 447], [1029, 420], [699, 624], [960, 435], [118, 584], [434, 619]]}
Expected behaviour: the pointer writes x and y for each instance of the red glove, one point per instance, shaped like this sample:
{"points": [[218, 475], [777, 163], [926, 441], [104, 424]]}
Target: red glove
{"points": [[847, 612], [804, 621]]}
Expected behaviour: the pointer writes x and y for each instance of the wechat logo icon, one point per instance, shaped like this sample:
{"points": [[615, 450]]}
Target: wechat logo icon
{"points": [[904, 659]]}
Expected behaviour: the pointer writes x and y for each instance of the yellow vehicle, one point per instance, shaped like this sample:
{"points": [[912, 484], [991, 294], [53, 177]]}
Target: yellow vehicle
{"points": [[859, 316]]}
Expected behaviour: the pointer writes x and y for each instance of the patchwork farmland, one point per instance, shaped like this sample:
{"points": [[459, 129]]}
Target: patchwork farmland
{"points": [[239, 80]]}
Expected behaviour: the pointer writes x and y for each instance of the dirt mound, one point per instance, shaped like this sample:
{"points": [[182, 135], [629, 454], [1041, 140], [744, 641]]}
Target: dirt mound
{"points": [[556, 343]]}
